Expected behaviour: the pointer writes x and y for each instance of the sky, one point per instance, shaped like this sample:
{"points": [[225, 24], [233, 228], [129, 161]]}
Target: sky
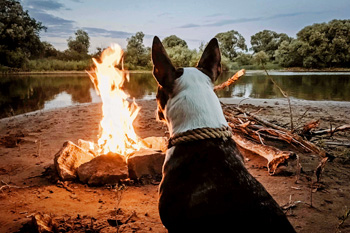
{"points": [[108, 21]]}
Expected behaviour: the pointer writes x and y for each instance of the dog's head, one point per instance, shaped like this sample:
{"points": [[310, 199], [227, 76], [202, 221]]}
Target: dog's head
{"points": [[166, 74]]}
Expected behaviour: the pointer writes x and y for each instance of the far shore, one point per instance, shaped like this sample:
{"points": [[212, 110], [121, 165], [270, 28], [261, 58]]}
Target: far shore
{"points": [[292, 69]]}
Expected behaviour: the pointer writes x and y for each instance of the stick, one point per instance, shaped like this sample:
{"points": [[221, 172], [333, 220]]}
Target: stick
{"points": [[320, 169], [331, 131], [286, 96], [261, 120], [231, 80], [330, 143]]}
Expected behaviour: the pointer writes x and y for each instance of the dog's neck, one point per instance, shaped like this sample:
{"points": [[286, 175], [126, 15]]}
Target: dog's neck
{"points": [[193, 104]]}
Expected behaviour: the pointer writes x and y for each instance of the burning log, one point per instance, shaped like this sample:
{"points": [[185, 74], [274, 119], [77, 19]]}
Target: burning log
{"points": [[274, 156], [145, 162], [104, 169], [88, 146], [43, 223], [156, 143], [69, 158]]}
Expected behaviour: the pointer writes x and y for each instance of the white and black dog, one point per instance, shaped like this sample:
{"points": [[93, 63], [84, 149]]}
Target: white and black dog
{"points": [[205, 185]]}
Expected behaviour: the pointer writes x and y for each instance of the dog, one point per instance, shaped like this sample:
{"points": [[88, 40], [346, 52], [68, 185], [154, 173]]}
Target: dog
{"points": [[205, 186]]}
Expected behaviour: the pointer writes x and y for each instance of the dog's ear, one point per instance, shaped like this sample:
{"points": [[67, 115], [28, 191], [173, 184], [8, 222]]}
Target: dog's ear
{"points": [[163, 70], [210, 62]]}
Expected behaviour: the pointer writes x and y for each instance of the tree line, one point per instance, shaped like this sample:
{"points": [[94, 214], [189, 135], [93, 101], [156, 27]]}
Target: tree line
{"points": [[321, 45]]}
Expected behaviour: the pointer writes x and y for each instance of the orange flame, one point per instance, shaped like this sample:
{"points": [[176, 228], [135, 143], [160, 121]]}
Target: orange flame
{"points": [[117, 133]]}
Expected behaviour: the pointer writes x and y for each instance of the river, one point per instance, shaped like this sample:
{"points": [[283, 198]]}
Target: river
{"points": [[26, 93]]}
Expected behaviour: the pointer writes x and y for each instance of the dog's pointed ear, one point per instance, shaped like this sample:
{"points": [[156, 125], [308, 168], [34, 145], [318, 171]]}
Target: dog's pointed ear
{"points": [[163, 70], [210, 62]]}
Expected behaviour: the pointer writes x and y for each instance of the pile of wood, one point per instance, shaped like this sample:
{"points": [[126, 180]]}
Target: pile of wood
{"points": [[258, 136]]}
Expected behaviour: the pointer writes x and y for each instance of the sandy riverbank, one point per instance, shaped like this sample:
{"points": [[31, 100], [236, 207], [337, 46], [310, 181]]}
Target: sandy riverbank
{"points": [[42, 134]]}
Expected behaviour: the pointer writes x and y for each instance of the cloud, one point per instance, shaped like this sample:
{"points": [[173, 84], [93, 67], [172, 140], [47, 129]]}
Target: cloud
{"points": [[43, 4], [107, 33], [191, 25], [244, 20], [56, 26]]}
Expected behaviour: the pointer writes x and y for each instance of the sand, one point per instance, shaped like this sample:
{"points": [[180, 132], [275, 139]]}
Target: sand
{"points": [[79, 208]]}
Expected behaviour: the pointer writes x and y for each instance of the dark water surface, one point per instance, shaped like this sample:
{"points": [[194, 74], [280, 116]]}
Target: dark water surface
{"points": [[26, 93]]}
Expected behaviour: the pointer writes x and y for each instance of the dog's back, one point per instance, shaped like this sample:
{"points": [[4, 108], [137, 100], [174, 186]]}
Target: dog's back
{"points": [[205, 186]]}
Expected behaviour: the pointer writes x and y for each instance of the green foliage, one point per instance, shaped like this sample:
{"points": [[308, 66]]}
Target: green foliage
{"points": [[182, 56], [58, 65], [230, 43], [179, 53], [268, 41], [260, 58], [19, 34], [172, 41], [78, 48], [137, 55], [318, 46], [244, 59]]}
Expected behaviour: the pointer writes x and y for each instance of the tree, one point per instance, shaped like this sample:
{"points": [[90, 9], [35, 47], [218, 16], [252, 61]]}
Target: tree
{"points": [[268, 41], [328, 44], [48, 50], [260, 58], [243, 59], [291, 54], [318, 46], [179, 53], [182, 56], [137, 55], [79, 46], [172, 41], [19, 34], [230, 43]]}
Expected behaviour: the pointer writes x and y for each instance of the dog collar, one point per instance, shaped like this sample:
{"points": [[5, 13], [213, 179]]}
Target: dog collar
{"points": [[200, 134]]}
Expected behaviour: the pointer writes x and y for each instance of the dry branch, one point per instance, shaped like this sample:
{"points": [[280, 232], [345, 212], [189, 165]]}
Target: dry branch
{"points": [[309, 126], [231, 80], [332, 131], [274, 156], [286, 96]]}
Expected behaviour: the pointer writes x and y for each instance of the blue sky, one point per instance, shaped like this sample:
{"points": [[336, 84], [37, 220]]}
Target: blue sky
{"points": [[108, 21]]}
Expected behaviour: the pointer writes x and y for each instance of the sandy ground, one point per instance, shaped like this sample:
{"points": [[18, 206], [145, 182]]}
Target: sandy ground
{"points": [[80, 208]]}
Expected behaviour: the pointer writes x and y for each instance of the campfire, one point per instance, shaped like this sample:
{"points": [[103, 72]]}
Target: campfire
{"points": [[117, 132], [119, 153]]}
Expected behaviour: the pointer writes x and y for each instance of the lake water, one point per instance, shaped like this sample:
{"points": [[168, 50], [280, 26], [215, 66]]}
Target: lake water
{"points": [[26, 93]]}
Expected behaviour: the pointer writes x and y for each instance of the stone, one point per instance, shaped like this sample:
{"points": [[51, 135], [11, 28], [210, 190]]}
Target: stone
{"points": [[156, 143], [145, 162], [104, 169], [88, 146], [69, 158], [43, 223]]}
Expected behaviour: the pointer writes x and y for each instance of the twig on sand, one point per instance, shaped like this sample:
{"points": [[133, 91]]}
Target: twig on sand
{"points": [[6, 185]]}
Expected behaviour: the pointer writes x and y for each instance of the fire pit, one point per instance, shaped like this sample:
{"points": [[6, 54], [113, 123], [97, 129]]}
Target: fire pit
{"points": [[119, 153]]}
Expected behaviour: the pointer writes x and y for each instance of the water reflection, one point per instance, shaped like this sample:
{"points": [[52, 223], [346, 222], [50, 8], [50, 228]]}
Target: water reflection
{"points": [[26, 93], [306, 87], [21, 94]]}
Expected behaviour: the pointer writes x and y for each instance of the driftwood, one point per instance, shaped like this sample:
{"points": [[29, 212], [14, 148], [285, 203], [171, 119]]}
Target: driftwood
{"points": [[251, 133], [331, 131], [309, 126], [230, 81], [274, 156]]}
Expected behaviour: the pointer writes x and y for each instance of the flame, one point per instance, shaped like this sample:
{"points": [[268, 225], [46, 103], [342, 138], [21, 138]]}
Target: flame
{"points": [[117, 133]]}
